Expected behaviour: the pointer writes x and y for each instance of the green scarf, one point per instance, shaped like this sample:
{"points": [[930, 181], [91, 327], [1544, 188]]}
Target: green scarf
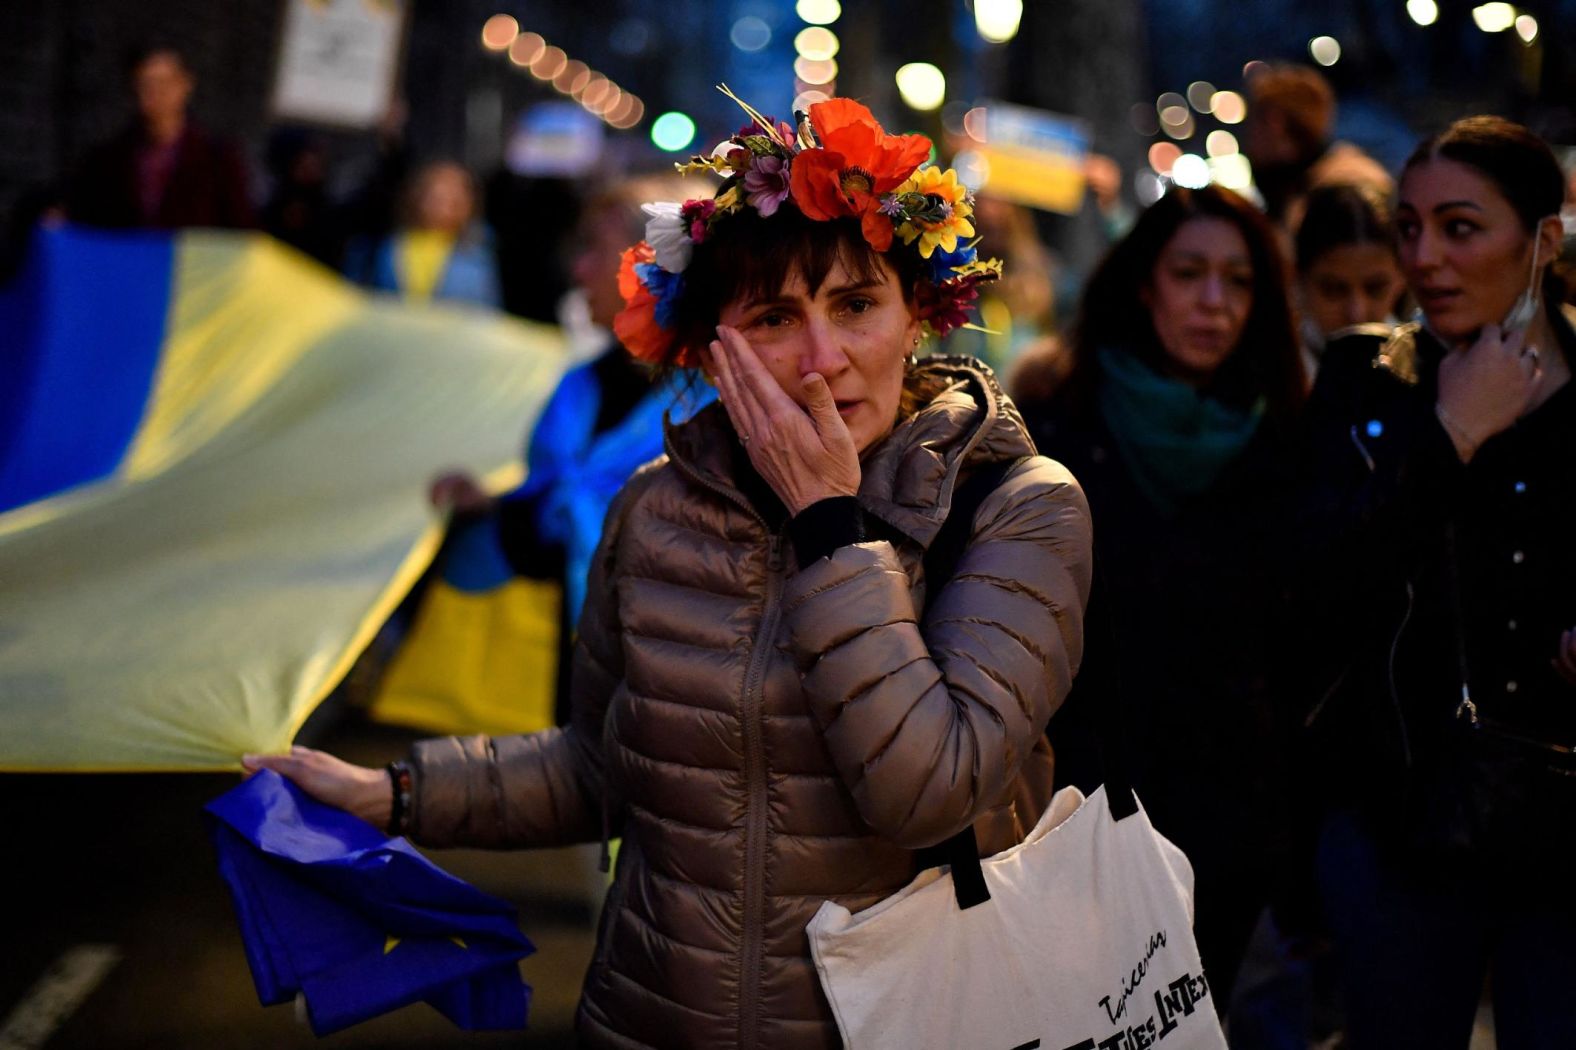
{"points": [[1174, 440]]}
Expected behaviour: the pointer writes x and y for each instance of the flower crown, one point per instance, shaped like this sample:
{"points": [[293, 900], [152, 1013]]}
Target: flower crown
{"points": [[839, 163]]}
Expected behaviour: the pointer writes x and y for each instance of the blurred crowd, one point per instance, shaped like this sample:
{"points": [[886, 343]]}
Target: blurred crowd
{"points": [[1305, 580]]}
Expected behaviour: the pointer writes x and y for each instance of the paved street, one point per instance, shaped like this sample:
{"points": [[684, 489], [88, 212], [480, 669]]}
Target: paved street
{"points": [[115, 871]]}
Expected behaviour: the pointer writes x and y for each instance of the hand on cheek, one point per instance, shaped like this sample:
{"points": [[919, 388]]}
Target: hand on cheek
{"points": [[805, 454]]}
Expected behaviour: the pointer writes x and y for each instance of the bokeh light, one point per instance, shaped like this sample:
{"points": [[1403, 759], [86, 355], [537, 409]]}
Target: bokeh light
{"points": [[1527, 28], [1199, 94], [819, 12], [1232, 171], [974, 123], [1162, 155], [567, 77], [1494, 18], [498, 31], [750, 34], [526, 48], [1190, 170], [1221, 144], [1148, 187], [1423, 12], [549, 63], [1326, 50], [997, 20], [815, 71], [672, 132], [816, 42], [922, 85], [805, 99], [1228, 107]]}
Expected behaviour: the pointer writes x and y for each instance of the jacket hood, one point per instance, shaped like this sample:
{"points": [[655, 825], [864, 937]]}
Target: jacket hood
{"points": [[964, 417]]}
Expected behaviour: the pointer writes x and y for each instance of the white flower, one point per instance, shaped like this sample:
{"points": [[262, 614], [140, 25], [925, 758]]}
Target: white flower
{"points": [[668, 235]]}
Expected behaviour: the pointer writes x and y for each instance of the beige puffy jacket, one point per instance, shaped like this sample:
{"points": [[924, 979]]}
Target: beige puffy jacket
{"points": [[767, 736]]}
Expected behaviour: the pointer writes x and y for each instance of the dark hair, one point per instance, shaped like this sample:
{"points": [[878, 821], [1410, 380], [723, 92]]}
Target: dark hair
{"points": [[1340, 215], [1265, 362], [1519, 164], [751, 255], [1301, 94]]}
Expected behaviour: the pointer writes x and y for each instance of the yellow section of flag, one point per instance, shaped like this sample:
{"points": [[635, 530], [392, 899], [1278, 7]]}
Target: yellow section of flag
{"points": [[271, 512]]}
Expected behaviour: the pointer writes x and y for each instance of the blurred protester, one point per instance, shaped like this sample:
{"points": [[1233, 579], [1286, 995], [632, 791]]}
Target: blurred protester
{"points": [[1021, 307], [1287, 137], [1347, 270], [603, 421], [440, 250], [165, 170], [1173, 404], [1439, 537], [300, 211], [1103, 176]]}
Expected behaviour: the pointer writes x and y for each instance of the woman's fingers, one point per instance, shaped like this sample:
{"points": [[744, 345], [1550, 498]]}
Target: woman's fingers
{"points": [[728, 391], [823, 412]]}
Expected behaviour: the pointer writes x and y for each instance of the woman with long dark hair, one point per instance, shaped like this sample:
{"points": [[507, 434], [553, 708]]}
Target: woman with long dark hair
{"points": [[1439, 535], [1174, 401], [1348, 273]]}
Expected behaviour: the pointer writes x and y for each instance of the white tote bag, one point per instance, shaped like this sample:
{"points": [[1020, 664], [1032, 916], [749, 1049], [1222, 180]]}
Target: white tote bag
{"points": [[1086, 943]]}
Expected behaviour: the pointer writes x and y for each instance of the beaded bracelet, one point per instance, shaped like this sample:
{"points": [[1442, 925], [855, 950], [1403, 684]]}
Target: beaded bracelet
{"points": [[399, 783]]}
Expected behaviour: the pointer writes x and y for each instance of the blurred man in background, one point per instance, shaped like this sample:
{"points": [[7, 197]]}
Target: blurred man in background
{"points": [[164, 171]]}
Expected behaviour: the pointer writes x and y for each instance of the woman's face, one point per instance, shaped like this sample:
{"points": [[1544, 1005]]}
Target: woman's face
{"points": [[445, 202], [855, 333], [1464, 251], [1351, 284], [1200, 296]]}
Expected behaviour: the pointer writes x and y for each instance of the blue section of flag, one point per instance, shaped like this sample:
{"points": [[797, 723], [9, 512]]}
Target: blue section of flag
{"points": [[358, 923], [82, 333]]}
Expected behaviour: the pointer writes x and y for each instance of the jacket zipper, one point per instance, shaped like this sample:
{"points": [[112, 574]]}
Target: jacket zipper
{"points": [[753, 948], [750, 962]]}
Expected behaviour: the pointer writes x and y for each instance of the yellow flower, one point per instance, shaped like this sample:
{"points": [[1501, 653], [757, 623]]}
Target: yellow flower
{"points": [[947, 216]]}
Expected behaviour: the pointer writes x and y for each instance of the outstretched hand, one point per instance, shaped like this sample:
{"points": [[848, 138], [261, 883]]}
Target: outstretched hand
{"points": [[803, 450], [359, 791]]}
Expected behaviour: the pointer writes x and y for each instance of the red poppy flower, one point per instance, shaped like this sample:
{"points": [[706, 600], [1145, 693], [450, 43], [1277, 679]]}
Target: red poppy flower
{"points": [[636, 324], [856, 163]]}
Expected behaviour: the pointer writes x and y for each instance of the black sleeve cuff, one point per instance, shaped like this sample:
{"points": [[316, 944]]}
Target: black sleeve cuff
{"points": [[824, 526]]}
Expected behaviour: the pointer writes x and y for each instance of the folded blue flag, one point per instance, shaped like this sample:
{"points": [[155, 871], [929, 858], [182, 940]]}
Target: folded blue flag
{"points": [[358, 923]]}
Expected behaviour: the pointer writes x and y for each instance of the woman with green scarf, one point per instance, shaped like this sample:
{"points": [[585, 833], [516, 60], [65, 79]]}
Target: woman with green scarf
{"points": [[1173, 401]]}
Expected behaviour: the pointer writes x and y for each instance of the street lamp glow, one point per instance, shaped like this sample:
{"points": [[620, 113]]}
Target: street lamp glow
{"points": [[817, 42], [1527, 28], [672, 132], [498, 31], [819, 12], [1423, 12], [997, 20], [922, 85], [1494, 18], [1326, 50], [1221, 144], [1190, 170]]}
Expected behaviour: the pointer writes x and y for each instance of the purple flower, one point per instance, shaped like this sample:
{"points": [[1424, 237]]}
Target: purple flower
{"points": [[766, 184], [891, 206]]}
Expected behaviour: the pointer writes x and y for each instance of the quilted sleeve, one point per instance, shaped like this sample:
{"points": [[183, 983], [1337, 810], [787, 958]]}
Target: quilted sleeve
{"points": [[929, 724]]}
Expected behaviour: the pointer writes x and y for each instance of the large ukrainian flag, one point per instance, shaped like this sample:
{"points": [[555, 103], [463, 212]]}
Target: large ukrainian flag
{"points": [[213, 462]]}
